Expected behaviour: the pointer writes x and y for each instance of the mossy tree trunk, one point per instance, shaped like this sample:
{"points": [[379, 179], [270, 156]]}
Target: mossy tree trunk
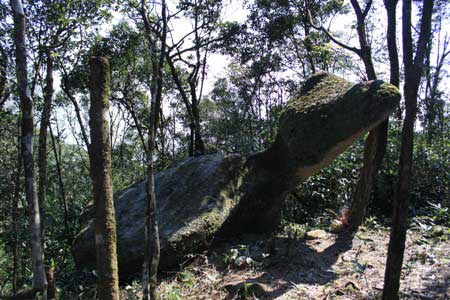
{"points": [[413, 64], [102, 189], [37, 252]]}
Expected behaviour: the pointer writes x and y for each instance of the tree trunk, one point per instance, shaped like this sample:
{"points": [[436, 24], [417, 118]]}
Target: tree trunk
{"points": [[152, 243], [186, 102], [413, 72], [3, 65], [152, 247], [51, 290], [15, 205], [100, 161], [42, 151], [37, 253], [391, 8], [62, 192], [199, 145], [374, 150], [399, 226], [375, 144], [394, 70]]}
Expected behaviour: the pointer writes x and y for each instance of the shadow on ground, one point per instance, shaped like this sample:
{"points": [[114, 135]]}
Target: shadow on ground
{"points": [[290, 262]]}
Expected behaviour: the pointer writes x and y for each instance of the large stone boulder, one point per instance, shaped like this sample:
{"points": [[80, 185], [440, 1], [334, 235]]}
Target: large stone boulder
{"points": [[320, 122], [194, 198], [204, 197]]}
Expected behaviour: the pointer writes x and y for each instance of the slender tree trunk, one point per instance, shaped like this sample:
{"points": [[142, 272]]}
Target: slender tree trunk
{"points": [[51, 290], [62, 192], [374, 150], [42, 151], [184, 97], [413, 72], [152, 249], [376, 141], [3, 64], [78, 115], [375, 145], [100, 160], [14, 229], [191, 139], [399, 226], [199, 145], [152, 245], [37, 253], [307, 43], [193, 78], [391, 8]]}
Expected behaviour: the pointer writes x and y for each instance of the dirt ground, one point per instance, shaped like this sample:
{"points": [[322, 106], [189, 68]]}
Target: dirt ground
{"points": [[327, 267]]}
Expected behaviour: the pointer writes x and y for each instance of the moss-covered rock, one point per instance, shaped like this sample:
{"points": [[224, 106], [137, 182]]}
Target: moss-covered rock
{"points": [[328, 115], [202, 197], [194, 198], [317, 124]]}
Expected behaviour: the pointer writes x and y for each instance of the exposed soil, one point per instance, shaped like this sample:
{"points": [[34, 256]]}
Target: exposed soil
{"points": [[332, 267]]}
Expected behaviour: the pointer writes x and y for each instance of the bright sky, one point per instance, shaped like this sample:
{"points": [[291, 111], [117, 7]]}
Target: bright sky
{"points": [[235, 11], [217, 63]]}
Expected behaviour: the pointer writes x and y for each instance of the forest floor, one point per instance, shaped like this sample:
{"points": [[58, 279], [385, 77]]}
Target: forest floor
{"points": [[329, 266], [306, 264]]}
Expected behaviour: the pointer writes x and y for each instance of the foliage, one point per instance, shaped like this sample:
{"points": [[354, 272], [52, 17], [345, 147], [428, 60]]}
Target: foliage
{"points": [[239, 258], [294, 231], [270, 55], [233, 124], [331, 188]]}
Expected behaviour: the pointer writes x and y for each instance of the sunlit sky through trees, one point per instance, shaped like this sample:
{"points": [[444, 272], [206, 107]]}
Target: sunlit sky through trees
{"points": [[342, 26]]}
